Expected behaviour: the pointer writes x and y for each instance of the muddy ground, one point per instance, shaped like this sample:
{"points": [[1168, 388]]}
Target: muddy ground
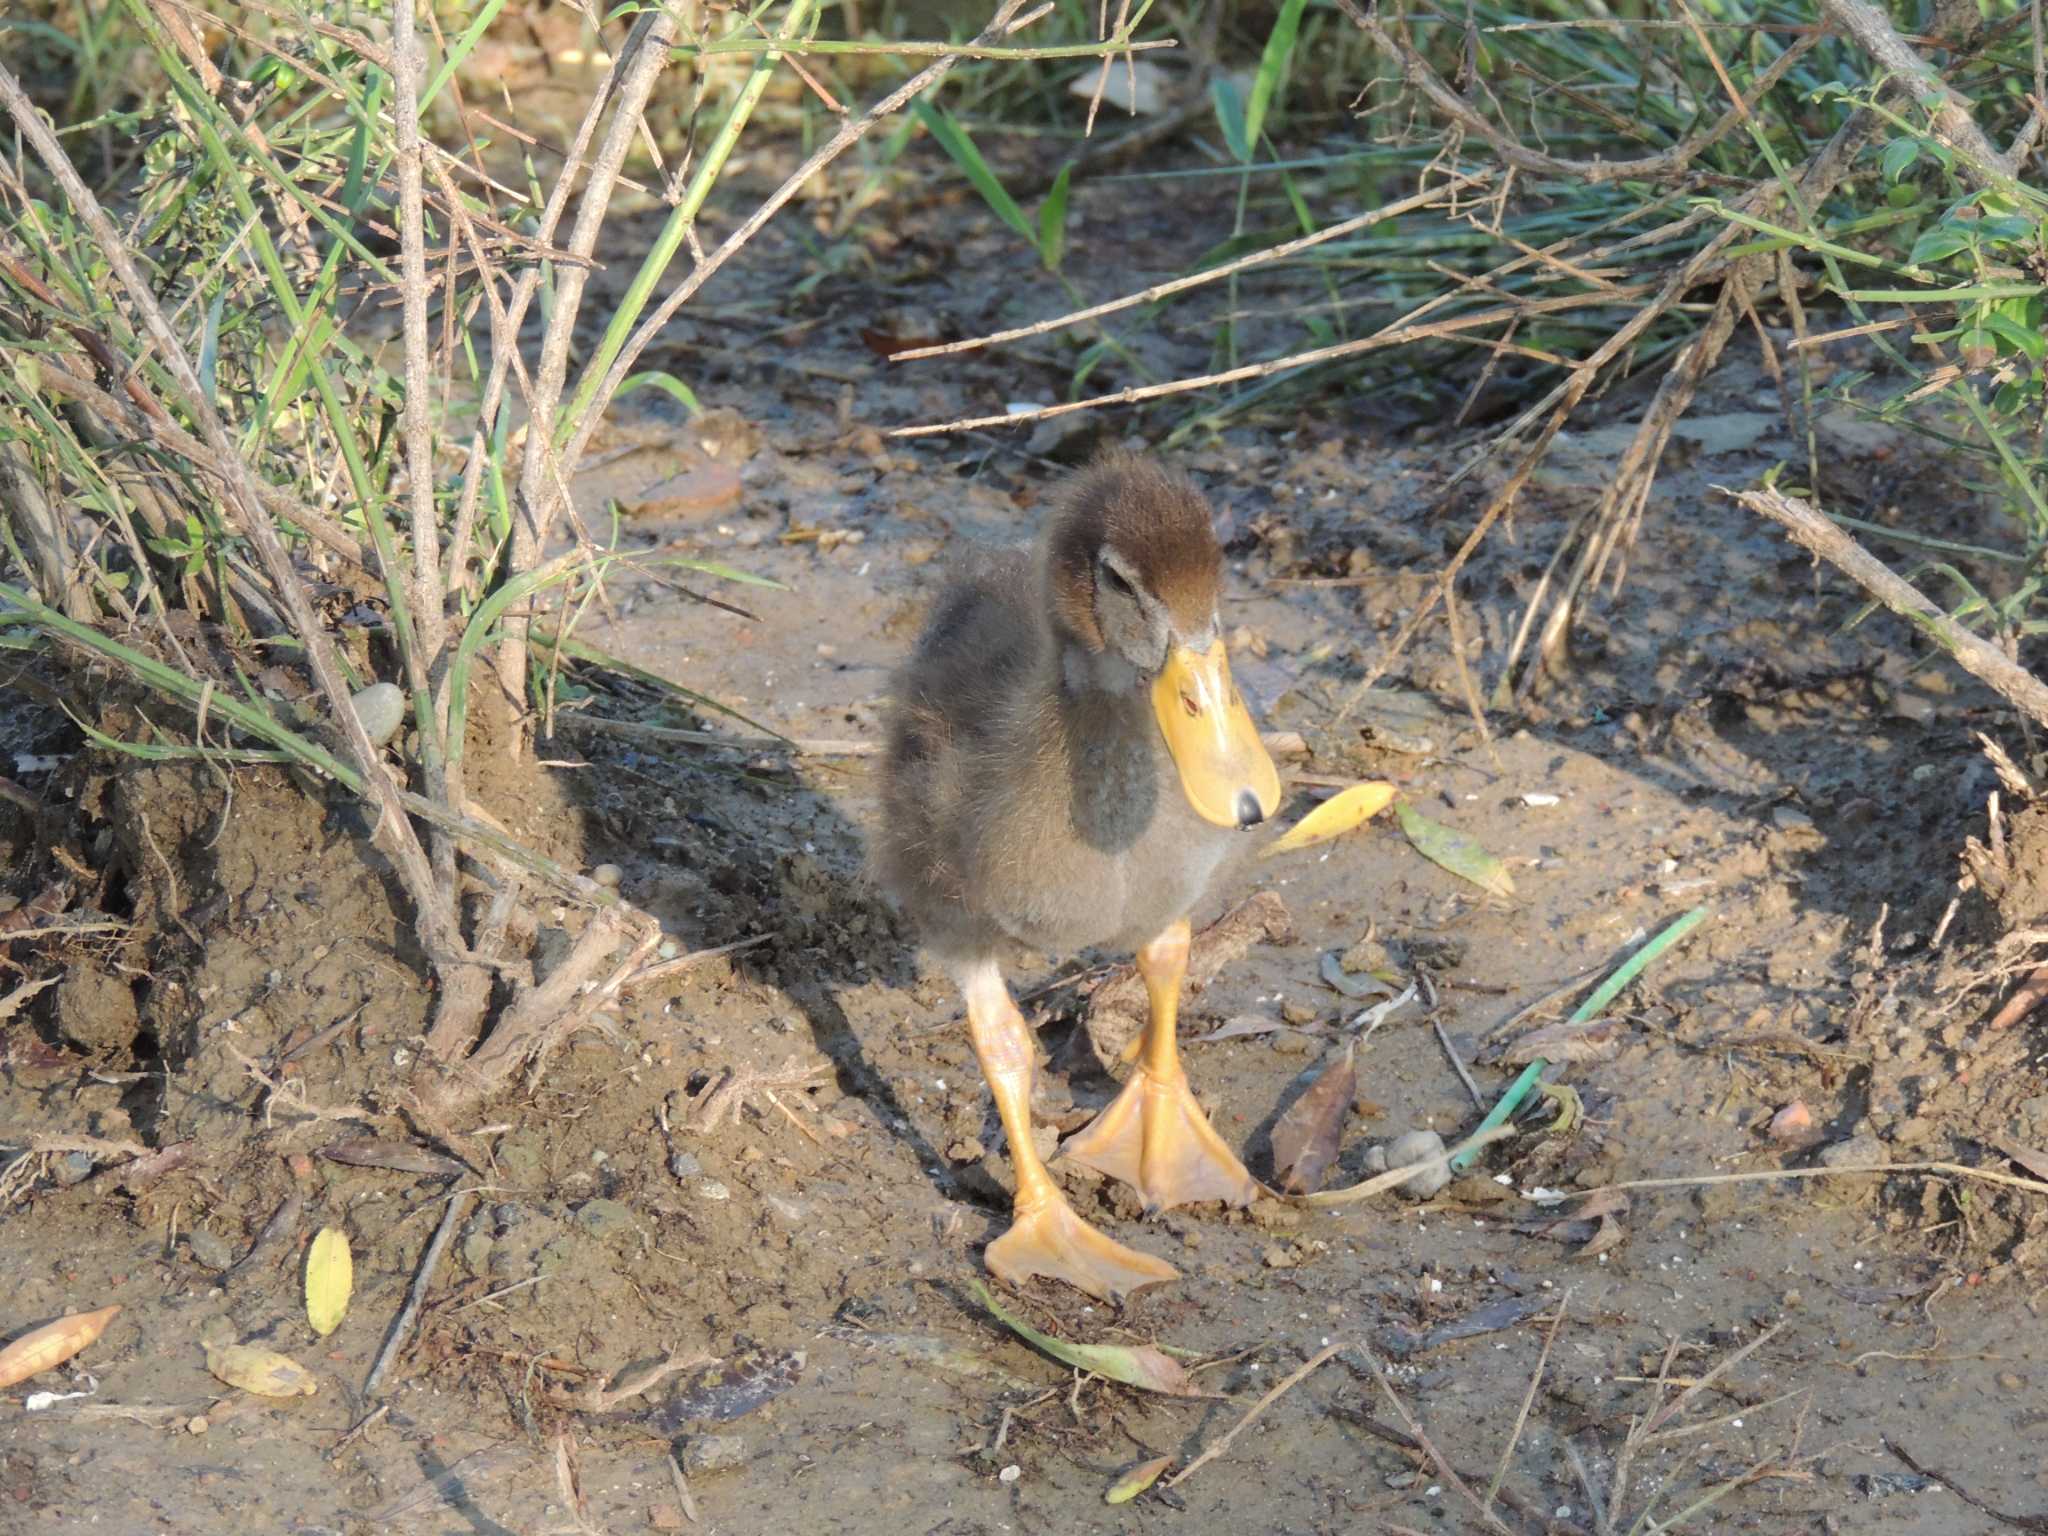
{"points": [[1718, 738]]}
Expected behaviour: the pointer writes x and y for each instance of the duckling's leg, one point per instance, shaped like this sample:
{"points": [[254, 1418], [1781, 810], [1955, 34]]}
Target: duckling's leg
{"points": [[1155, 1136], [1046, 1238]]}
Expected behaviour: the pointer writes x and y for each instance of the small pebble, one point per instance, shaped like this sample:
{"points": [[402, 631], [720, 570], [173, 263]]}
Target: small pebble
{"points": [[608, 875], [197, 1425], [1416, 1147], [684, 1165], [2010, 1380], [1792, 1123], [380, 708], [1010, 1474], [711, 1189], [210, 1250]]}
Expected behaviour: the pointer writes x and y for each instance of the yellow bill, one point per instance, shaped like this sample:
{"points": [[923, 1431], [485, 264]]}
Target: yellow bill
{"points": [[1224, 769]]}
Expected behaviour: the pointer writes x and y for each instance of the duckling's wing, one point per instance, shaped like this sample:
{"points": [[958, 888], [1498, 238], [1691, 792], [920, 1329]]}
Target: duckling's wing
{"points": [[955, 705]]}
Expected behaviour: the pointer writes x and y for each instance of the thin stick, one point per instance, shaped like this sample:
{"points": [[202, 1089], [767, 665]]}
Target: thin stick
{"points": [[695, 957], [1392, 336], [1221, 1445], [1158, 291], [1758, 1175], [682, 1487], [799, 746], [1980, 659], [1528, 1400], [401, 1328], [1444, 1469], [848, 134], [1443, 1039]]}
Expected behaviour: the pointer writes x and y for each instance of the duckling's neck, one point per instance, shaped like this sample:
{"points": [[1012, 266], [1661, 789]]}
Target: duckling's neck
{"points": [[1084, 672], [1113, 753]]}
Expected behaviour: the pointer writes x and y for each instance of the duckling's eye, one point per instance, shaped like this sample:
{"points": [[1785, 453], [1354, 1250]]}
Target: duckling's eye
{"points": [[1116, 581]]}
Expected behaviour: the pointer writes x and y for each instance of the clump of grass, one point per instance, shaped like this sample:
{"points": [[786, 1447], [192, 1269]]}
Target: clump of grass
{"points": [[269, 339], [1619, 195]]}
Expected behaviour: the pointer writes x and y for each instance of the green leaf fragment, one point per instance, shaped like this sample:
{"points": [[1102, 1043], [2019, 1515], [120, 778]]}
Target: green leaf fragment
{"points": [[1454, 851]]}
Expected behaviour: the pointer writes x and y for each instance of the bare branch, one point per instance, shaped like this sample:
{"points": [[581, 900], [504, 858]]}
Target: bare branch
{"points": [[438, 931], [1953, 125], [1980, 659]]}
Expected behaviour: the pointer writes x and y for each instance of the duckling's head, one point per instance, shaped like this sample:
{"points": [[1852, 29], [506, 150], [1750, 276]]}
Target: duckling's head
{"points": [[1133, 575]]}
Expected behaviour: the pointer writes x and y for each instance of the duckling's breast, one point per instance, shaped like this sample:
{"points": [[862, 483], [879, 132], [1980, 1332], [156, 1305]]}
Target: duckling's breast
{"points": [[1112, 853]]}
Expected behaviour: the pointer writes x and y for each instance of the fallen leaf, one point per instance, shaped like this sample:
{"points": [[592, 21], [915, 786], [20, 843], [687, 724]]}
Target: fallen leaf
{"points": [[1403, 1342], [12, 1002], [52, 1344], [1339, 979], [730, 1388], [1453, 850], [1595, 1040], [330, 1275], [1135, 1365], [1306, 1138], [1611, 1235], [371, 1152], [2034, 1162], [1343, 812], [262, 1371], [1137, 1480], [1244, 1024]]}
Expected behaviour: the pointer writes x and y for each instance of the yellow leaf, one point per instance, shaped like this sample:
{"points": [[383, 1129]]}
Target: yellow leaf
{"points": [[1341, 813], [329, 1275], [52, 1344], [262, 1371], [1137, 1480]]}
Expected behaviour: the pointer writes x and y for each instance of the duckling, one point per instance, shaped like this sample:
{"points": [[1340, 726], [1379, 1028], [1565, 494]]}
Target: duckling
{"points": [[1067, 765]]}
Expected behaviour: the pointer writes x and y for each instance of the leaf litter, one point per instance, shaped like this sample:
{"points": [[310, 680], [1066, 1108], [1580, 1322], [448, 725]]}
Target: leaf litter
{"points": [[1135, 1365], [1307, 1137]]}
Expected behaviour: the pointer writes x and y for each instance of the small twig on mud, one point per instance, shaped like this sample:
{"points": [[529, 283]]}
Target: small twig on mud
{"points": [[402, 1325], [1563, 991], [682, 1487], [1300, 1374], [1443, 1038], [596, 1397], [568, 1484], [1955, 1170], [1424, 199], [294, 1093], [696, 957], [725, 1095], [1810, 529], [1444, 1469], [2017, 1522], [795, 746], [356, 1431], [1507, 1452]]}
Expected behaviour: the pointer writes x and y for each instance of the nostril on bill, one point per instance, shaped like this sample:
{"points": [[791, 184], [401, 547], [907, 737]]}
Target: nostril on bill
{"points": [[1248, 812]]}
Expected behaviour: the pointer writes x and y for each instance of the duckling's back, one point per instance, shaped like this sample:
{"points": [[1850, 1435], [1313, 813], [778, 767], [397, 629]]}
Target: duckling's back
{"points": [[953, 713]]}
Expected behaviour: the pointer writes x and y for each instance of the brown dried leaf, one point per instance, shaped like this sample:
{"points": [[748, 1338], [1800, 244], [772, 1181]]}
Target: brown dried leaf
{"points": [[1611, 1235], [1595, 1040], [2034, 1162], [370, 1152], [1306, 1138]]}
